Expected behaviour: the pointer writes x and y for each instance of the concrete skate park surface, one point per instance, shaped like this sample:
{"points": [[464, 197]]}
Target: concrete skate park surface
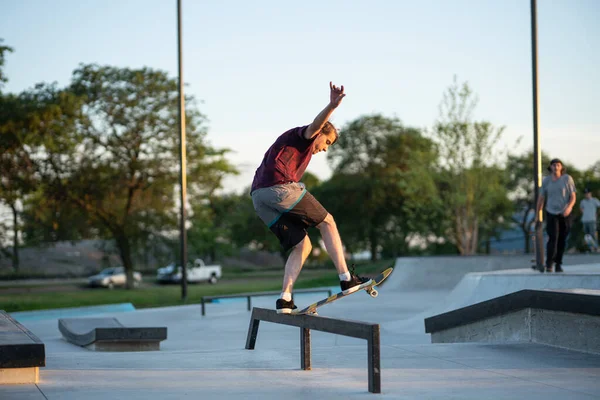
{"points": [[204, 357]]}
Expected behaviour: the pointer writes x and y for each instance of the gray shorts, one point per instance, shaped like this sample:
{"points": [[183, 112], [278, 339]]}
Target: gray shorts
{"points": [[288, 210]]}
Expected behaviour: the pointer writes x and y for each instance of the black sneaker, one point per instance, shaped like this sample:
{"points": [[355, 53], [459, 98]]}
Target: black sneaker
{"points": [[354, 281], [285, 307], [558, 268]]}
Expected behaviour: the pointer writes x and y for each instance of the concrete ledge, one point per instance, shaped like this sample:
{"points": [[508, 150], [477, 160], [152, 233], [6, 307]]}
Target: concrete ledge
{"points": [[564, 318], [108, 334], [21, 352], [13, 376]]}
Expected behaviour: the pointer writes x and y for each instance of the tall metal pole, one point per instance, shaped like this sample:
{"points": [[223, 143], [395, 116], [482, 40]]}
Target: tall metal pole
{"points": [[182, 166], [537, 156]]}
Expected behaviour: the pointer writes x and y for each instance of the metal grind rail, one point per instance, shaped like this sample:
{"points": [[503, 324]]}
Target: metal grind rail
{"points": [[360, 330]]}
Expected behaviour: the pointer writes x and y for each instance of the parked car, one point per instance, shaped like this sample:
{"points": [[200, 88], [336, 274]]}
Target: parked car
{"points": [[198, 272], [111, 277]]}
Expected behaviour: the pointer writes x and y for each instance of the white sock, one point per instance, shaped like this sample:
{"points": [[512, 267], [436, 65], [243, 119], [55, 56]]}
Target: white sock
{"points": [[345, 276], [287, 296]]}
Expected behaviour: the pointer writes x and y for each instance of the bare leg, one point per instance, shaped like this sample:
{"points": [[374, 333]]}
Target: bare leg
{"points": [[333, 243], [294, 264]]}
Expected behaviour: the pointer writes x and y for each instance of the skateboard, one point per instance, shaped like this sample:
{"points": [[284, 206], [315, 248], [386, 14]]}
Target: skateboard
{"points": [[538, 245], [589, 240], [368, 286]]}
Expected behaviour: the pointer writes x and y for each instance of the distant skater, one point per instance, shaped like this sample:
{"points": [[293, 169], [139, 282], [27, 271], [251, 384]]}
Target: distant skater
{"points": [[558, 189], [288, 209], [589, 210]]}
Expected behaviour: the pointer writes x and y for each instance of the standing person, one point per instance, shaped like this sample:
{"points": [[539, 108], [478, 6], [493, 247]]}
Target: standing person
{"points": [[589, 209], [288, 209], [558, 189]]}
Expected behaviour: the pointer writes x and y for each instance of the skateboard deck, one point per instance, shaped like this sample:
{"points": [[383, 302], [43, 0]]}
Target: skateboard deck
{"points": [[368, 286], [538, 245]]}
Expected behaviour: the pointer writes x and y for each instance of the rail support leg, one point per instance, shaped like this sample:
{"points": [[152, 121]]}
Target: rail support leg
{"points": [[305, 360], [252, 333], [374, 361]]}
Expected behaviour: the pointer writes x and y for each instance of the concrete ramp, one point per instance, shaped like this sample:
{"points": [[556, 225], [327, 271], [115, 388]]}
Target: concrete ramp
{"points": [[476, 287], [108, 334], [445, 272]]}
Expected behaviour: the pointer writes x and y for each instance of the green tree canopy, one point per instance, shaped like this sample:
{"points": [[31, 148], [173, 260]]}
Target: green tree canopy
{"points": [[32, 123], [382, 192], [124, 166], [472, 182], [3, 51]]}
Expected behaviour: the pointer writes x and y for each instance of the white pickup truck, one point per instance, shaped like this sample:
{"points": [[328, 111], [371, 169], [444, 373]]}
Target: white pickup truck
{"points": [[198, 272]]}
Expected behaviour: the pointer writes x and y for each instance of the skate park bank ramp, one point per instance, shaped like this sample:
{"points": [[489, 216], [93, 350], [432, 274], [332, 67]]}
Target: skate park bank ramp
{"points": [[442, 273], [568, 319], [108, 334], [476, 287], [431, 286]]}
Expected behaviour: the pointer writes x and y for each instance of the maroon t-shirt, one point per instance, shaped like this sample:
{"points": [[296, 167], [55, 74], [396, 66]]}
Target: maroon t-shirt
{"points": [[285, 161]]}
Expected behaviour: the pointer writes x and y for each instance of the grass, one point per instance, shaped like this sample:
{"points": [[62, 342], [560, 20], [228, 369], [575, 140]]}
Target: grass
{"points": [[153, 296], [170, 295]]}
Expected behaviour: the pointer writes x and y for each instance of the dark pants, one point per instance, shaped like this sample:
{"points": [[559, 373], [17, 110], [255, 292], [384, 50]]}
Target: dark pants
{"points": [[558, 228]]}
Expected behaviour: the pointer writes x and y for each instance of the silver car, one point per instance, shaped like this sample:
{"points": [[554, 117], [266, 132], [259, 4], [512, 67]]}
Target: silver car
{"points": [[111, 277]]}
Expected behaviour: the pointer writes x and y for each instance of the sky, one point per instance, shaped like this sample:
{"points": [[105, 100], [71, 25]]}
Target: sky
{"points": [[260, 68]]}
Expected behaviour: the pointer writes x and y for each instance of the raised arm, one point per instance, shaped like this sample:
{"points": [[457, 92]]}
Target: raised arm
{"points": [[336, 94]]}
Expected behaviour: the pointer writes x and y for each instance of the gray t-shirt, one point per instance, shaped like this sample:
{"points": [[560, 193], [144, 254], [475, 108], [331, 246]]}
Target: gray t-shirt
{"points": [[557, 193], [589, 207]]}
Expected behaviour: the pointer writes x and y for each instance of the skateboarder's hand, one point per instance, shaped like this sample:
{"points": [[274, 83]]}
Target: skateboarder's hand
{"points": [[336, 94], [568, 211]]}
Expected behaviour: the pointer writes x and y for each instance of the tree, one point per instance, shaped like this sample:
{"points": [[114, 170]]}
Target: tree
{"points": [[471, 180], [123, 171], [382, 189], [7, 194], [210, 211], [32, 121], [210, 233], [46, 220], [16, 166], [3, 51]]}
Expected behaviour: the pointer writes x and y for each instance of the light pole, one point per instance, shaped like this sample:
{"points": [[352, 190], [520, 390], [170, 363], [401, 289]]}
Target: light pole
{"points": [[182, 165], [537, 156]]}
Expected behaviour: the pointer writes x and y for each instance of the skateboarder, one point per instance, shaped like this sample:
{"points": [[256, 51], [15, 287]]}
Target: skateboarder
{"points": [[558, 189], [288, 209], [589, 209]]}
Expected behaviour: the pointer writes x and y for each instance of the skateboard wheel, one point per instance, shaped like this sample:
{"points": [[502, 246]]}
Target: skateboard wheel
{"points": [[374, 293]]}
